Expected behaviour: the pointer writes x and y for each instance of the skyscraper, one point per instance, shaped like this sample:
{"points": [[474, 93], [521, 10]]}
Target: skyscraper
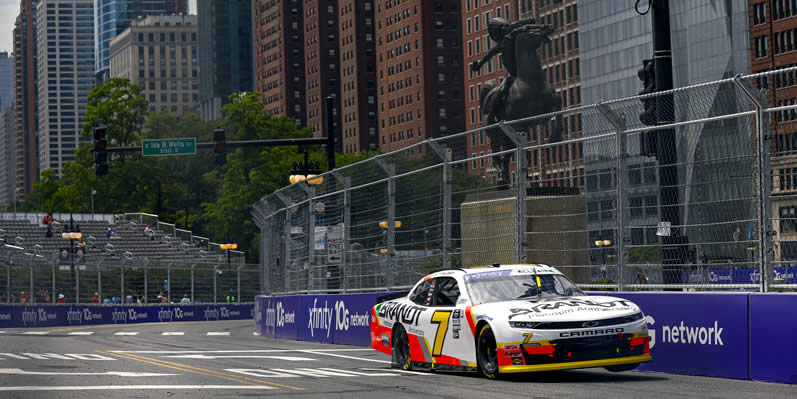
{"points": [[7, 155], [225, 52], [159, 54], [279, 58], [25, 81], [419, 61], [67, 79], [6, 80], [358, 104], [114, 16]]}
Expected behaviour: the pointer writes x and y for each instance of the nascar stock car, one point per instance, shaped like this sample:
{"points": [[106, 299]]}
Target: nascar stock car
{"points": [[507, 319]]}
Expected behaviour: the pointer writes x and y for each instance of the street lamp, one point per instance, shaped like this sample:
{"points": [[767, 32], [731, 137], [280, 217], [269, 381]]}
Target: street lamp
{"points": [[599, 244], [307, 171], [228, 248], [72, 233]]}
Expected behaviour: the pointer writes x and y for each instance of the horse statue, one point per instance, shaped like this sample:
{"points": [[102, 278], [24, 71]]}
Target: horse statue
{"points": [[524, 92]]}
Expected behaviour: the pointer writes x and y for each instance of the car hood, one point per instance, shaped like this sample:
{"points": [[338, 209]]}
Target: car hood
{"points": [[574, 308]]}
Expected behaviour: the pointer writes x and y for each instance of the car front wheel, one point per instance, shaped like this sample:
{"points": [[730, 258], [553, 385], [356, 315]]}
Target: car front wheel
{"points": [[487, 352], [401, 349]]}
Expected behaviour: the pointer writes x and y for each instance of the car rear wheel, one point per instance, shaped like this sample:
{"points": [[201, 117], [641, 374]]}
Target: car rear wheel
{"points": [[401, 349], [622, 367], [487, 352]]}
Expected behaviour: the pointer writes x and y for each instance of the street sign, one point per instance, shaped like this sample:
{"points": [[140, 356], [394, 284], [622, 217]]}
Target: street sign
{"points": [[151, 148]]}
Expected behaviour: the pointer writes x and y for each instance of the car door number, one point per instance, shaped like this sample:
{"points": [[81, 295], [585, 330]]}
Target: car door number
{"points": [[441, 319]]}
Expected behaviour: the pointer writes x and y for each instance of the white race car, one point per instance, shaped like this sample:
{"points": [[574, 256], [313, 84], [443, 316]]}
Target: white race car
{"points": [[507, 319]]}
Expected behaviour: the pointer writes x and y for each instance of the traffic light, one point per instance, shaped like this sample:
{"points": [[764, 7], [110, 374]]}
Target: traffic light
{"points": [[647, 74], [100, 154], [219, 140]]}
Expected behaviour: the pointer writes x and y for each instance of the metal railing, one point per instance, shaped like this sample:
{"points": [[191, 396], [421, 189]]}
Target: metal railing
{"points": [[28, 278], [597, 200]]}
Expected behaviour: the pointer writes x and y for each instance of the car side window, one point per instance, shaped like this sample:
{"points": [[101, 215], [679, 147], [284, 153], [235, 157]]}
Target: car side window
{"points": [[421, 295], [446, 291]]}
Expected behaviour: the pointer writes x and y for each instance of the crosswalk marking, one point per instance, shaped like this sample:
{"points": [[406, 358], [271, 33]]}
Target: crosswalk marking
{"points": [[81, 333], [218, 333], [126, 333], [36, 333], [173, 333]]}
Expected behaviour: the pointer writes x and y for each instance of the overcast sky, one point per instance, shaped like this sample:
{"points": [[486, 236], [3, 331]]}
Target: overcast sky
{"points": [[9, 9]]}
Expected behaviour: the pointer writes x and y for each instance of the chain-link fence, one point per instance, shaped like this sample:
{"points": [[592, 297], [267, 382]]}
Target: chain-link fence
{"points": [[687, 203], [38, 279]]}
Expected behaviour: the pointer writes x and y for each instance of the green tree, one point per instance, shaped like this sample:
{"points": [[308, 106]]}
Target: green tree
{"points": [[120, 106]]}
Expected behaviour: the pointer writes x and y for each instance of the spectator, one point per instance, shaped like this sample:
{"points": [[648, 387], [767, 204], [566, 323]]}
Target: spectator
{"points": [[185, 299], [162, 298], [117, 300], [113, 234], [95, 298], [81, 243], [48, 220], [129, 299], [48, 233], [138, 298], [148, 232], [46, 296], [61, 298], [23, 297], [106, 301]]}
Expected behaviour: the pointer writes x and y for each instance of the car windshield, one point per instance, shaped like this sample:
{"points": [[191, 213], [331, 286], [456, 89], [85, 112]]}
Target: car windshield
{"points": [[497, 288]]}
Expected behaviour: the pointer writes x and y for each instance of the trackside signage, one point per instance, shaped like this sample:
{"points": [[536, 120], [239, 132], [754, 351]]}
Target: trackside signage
{"points": [[338, 319], [773, 337], [696, 334], [82, 315]]}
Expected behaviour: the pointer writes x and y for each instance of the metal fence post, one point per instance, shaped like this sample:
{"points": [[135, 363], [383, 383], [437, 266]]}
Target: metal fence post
{"points": [[122, 287], [521, 190], [344, 266], [215, 294], [193, 267], [239, 283], [618, 121], [445, 240], [286, 232], [8, 281], [31, 281], [169, 281], [390, 170], [763, 165], [310, 192]]}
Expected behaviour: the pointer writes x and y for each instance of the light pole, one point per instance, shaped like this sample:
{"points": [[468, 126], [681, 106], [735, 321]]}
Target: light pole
{"points": [[73, 233], [599, 244], [227, 248], [306, 171], [93, 191]]}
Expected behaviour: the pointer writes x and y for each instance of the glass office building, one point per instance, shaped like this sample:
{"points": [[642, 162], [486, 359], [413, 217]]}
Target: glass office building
{"points": [[710, 42], [111, 17]]}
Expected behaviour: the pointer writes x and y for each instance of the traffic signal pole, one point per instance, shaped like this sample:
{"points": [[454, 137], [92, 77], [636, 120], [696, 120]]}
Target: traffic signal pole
{"points": [[666, 151]]}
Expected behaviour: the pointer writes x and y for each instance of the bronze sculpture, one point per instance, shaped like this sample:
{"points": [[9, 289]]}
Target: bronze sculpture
{"points": [[524, 92]]}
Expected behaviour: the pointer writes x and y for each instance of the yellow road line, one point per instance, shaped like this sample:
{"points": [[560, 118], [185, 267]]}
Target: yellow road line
{"points": [[199, 370], [186, 370]]}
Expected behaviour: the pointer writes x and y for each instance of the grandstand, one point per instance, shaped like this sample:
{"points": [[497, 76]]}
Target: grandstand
{"points": [[164, 242]]}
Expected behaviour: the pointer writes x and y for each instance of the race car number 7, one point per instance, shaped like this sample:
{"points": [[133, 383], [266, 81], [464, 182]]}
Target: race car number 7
{"points": [[441, 319]]}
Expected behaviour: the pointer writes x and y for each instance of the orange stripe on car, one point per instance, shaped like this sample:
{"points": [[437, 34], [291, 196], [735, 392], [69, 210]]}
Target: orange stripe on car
{"points": [[469, 316]]}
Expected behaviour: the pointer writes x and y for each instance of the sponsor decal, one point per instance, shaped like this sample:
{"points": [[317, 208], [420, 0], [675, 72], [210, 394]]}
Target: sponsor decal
{"points": [[511, 347], [517, 361], [695, 335], [385, 340], [455, 314], [579, 304], [5, 316], [277, 316], [512, 353], [415, 331], [455, 334], [405, 313], [483, 317], [586, 333], [491, 274]]}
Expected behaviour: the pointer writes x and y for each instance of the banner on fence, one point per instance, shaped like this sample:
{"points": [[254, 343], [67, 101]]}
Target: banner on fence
{"points": [[12, 316], [773, 326]]}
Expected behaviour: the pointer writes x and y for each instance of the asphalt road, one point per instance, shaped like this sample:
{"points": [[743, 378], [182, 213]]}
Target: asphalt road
{"points": [[225, 359]]}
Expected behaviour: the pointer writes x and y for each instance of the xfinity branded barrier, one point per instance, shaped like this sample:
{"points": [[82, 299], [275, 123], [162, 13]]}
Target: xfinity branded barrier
{"points": [[336, 319], [730, 335], [696, 333], [81, 315]]}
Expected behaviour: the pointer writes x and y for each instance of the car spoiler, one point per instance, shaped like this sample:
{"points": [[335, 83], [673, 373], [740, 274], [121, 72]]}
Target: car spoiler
{"points": [[394, 295]]}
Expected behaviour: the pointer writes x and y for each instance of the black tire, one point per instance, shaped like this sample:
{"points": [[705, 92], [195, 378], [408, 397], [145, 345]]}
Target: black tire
{"points": [[487, 352], [619, 368], [401, 349]]}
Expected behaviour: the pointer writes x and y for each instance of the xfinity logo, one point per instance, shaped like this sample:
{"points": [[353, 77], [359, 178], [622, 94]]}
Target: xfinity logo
{"points": [[74, 315], [320, 318]]}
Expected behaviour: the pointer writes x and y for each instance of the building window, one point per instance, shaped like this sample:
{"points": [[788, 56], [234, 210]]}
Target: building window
{"points": [[760, 46]]}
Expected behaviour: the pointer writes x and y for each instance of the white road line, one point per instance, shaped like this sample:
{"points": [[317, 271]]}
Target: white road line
{"points": [[219, 333], [126, 333], [173, 333], [130, 387], [255, 333], [206, 357], [398, 371], [81, 333], [36, 333], [2, 332], [251, 351], [365, 359], [114, 373]]}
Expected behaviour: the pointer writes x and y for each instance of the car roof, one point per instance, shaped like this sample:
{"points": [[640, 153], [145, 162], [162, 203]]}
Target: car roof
{"points": [[539, 268]]}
